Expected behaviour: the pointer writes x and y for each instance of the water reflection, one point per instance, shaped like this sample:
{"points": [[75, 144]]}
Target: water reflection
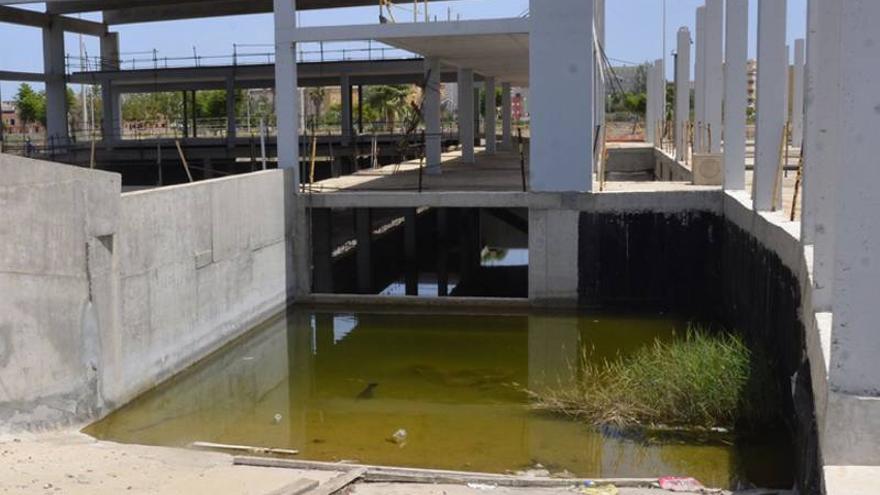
{"points": [[337, 386]]}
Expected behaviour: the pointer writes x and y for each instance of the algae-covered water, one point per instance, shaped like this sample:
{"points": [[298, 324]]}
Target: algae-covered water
{"points": [[338, 386]]}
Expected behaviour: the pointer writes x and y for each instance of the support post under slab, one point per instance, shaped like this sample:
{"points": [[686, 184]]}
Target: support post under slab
{"points": [[736, 94], [345, 114], [561, 106], [700, 81], [56, 85], [466, 114], [364, 257], [682, 93], [651, 106], [322, 250], [771, 88], [442, 252], [433, 136], [231, 127], [286, 91], [506, 117], [713, 81], [491, 116], [410, 247], [478, 132], [553, 256]]}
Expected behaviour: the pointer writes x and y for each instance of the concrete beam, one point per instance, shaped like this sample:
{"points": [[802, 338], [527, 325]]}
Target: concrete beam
{"points": [[408, 30], [714, 74], [433, 138], [466, 114], [42, 20], [682, 92], [9, 75], [736, 94], [771, 115], [562, 106]]}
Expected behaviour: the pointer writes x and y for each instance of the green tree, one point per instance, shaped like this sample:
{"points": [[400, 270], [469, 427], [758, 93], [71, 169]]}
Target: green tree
{"points": [[390, 102], [31, 104]]}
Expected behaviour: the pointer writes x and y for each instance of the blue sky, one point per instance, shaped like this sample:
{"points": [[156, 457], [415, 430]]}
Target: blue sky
{"points": [[634, 30]]}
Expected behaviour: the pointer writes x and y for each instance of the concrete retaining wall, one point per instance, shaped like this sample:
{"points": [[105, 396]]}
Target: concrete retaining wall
{"points": [[108, 294]]}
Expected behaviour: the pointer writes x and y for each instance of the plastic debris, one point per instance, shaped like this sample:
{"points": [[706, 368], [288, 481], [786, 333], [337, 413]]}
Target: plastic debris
{"points": [[399, 437], [483, 487], [277, 418], [600, 490], [675, 484]]}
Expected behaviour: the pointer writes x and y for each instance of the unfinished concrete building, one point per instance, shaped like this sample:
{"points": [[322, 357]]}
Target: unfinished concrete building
{"points": [[109, 293]]}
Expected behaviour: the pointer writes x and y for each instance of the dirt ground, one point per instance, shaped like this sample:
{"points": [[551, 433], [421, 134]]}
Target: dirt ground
{"points": [[70, 462]]}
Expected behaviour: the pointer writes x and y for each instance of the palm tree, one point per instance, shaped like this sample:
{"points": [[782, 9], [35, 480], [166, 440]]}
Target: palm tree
{"points": [[389, 101]]}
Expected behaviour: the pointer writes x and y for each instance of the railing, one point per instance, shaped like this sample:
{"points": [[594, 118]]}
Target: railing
{"points": [[242, 54]]}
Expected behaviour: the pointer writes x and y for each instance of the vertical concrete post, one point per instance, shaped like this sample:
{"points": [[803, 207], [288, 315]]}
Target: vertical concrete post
{"points": [[713, 24], [855, 368], [286, 92], [736, 94], [410, 247], [364, 260], [682, 92], [553, 256], [506, 118], [772, 68], [432, 116], [660, 109], [111, 102], [56, 85], [785, 100], [231, 127], [700, 82], [345, 114], [478, 139], [651, 107], [599, 82], [442, 252], [562, 105], [490, 114], [466, 114], [797, 95], [322, 249]]}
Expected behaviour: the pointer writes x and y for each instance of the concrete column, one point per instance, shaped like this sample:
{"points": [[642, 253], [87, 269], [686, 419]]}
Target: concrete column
{"points": [[56, 85], [562, 105], [410, 250], [489, 114], [466, 114], [598, 82], [478, 139], [773, 66], [700, 82], [506, 118], [736, 94], [364, 230], [651, 107], [231, 128], [345, 114], [553, 256], [786, 104], [797, 94], [855, 367], [682, 92], [432, 116], [322, 249], [660, 108], [713, 75], [442, 252], [111, 124], [286, 91]]}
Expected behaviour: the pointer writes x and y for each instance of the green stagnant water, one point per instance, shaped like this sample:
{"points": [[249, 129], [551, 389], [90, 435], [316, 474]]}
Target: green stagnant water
{"points": [[337, 386]]}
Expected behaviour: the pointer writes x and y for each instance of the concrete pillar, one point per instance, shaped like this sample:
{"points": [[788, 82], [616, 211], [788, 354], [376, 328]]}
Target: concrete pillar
{"points": [[506, 118], [700, 82], [466, 114], [231, 127], [410, 250], [345, 114], [660, 108], [489, 113], [797, 94], [322, 249], [111, 124], [713, 24], [478, 138], [736, 94], [562, 105], [286, 91], [553, 256], [855, 367], [442, 252], [598, 81], [208, 168], [56, 85], [682, 92], [773, 67], [786, 104], [432, 116], [651, 107], [364, 257]]}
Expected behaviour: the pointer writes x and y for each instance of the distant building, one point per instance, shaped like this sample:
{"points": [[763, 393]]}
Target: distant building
{"points": [[629, 77], [13, 123], [519, 104]]}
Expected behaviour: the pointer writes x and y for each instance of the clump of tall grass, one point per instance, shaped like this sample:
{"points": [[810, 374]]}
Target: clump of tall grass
{"points": [[699, 380]]}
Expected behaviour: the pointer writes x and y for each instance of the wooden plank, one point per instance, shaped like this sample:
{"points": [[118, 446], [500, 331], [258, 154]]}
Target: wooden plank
{"points": [[298, 487], [339, 482], [243, 448], [410, 475]]}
